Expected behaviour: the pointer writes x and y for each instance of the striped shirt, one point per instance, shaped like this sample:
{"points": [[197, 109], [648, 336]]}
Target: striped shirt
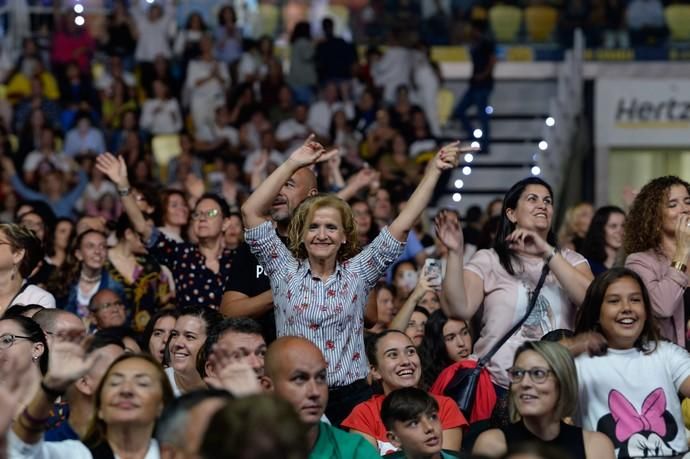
{"points": [[328, 313]]}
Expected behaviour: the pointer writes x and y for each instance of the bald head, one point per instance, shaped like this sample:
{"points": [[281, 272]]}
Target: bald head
{"points": [[59, 324], [283, 353], [299, 187], [296, 370]]}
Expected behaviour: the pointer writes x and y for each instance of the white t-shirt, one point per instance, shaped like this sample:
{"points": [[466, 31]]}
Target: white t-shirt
{"points": [[161, 116], [632, 398], [67, 449], [36, 158], [33, 294]]}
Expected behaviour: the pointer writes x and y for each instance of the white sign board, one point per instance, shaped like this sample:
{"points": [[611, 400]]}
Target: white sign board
{"points": [[642, 112]]}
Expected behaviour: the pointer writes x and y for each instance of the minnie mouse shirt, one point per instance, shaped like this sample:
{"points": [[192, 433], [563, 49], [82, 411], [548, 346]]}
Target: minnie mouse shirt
{"points": [[632, 398]]}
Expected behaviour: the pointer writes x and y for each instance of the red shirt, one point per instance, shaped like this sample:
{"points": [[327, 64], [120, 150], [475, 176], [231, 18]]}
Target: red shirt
{"points": [[366, 418]]}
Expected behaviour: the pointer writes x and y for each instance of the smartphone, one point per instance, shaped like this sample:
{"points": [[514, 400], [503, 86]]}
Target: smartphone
{"points": [[432, 269]]}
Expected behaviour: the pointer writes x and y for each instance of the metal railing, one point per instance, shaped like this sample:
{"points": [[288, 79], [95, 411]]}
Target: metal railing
{"points": [[560, 131]]}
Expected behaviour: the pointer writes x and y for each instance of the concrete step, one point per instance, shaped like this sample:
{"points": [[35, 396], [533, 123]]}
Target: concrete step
{"points": [[502, 129], [515, 97]]}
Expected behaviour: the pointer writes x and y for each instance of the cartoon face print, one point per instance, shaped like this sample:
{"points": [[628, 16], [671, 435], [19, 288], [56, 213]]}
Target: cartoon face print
{"points": [[644, 433]]}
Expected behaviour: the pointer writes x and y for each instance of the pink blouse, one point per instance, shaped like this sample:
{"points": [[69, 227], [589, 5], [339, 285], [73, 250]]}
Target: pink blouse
{"points": [[666, 287]]}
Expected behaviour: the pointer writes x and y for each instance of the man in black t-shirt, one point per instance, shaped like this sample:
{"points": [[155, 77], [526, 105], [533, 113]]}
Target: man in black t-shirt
{"points": [[248, 290], [483, 51]]}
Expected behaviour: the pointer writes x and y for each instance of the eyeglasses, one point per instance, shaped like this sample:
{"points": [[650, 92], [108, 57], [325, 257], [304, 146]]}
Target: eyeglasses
{"points": [[209, 214], [537, 374], [106, 306], [7, 341], [73, 335]]}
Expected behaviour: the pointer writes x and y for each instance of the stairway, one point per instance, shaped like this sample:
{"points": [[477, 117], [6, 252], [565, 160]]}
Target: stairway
{"points": [[520, 108]]}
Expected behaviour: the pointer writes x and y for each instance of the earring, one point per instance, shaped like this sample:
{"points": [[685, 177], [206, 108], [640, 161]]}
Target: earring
{"points": [[34, 358]]}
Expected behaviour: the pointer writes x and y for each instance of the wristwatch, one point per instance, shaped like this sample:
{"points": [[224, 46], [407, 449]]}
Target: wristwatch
{"points": [[124, 191]]}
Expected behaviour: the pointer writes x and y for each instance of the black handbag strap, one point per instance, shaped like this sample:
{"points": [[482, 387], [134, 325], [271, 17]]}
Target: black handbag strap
{"points": [[532, 302]]}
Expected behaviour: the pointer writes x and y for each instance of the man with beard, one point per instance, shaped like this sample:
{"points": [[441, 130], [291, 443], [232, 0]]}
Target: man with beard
{"points": [[248, 291]]}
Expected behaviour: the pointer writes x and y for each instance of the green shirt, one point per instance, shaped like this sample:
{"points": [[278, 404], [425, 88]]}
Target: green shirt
{"points": [[445, 454], [333, 443]]}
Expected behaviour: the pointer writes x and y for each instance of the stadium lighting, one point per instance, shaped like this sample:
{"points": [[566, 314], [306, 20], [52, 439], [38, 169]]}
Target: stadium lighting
{"points": [[475, 144], [469, 157], [457, 197], [78, 8], [477, 133], [489, 110], [467, 170], [536, 170], [550, 121], [79, 20], [459, 184], [150, 1], [543, 145]]}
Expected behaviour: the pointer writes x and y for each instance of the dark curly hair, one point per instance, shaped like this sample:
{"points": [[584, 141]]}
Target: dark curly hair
{"points": [[305, 213], [643, 225], [594, 247]]}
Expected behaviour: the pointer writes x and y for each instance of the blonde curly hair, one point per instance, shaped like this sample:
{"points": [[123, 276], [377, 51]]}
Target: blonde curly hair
{"points": [[304, 215]]}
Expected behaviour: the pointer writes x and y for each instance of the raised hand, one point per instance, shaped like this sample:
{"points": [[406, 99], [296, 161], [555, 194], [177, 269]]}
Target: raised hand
{"points": [[114, 168], [68, 362], [528, 242], [364, 177], [231, 374], [448, 156], [423, 285], [682, 238], [10, 393], [592, 343], [311, 152], [334, 163], [449, 231]]}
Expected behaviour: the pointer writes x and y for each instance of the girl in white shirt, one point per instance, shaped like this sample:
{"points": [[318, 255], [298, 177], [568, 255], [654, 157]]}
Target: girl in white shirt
{"points": [[630, 392]]}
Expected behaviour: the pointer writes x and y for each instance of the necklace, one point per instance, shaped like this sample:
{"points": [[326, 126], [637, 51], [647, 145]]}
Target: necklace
{"points": [[91, 280]]}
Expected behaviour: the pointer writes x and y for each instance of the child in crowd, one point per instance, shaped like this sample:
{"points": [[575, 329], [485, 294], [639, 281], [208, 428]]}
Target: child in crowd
{"points": [[413, 425]]}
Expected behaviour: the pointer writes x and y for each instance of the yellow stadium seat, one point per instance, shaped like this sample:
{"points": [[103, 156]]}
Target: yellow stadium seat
{"points": [[97, 70], [14, 143], [678, 21], [505, 21], [479, 13], [445, 100], [540, 22], [269, 19], [165, 148]]}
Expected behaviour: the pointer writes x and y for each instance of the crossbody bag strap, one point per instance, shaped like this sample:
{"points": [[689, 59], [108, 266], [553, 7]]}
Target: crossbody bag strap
{"points": [[532, 302]]}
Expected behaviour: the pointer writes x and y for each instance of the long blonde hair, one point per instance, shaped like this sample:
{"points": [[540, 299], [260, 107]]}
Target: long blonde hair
{"points": [[305, 214]]}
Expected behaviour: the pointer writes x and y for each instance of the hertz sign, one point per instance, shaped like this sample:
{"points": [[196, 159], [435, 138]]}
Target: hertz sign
{"points": [[642, 112]]}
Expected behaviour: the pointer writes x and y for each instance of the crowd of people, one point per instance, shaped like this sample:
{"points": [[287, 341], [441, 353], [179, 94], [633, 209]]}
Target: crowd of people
{"points": [[277, 288]]}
